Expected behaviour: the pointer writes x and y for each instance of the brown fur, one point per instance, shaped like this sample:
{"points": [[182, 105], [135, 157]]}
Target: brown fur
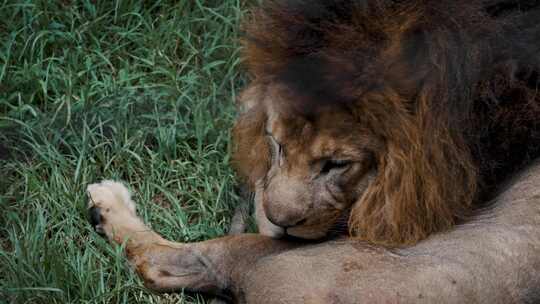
{"points": [[445, 89], [492, 259]]}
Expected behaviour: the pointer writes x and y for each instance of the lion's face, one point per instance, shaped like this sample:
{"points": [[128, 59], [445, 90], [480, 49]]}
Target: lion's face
{"points": [[317, 171], [316, 167]]}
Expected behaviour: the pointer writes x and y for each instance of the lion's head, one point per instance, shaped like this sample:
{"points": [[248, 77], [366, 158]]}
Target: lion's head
{"points": [[363, 109]]}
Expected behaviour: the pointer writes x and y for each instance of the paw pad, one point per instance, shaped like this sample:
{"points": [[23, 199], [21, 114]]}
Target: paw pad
{"points": [[95, 218], [107, 196]]}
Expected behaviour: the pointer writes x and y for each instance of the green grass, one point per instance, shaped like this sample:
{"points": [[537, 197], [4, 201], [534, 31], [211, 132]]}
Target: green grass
{"points": [[139, 91]]}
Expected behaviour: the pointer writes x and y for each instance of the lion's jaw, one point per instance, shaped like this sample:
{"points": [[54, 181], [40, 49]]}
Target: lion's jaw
{"points": [[319, 167]]}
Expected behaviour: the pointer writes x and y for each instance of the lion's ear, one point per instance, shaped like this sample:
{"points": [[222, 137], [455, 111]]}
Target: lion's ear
{"points": [[250, 155], [425, 178]]}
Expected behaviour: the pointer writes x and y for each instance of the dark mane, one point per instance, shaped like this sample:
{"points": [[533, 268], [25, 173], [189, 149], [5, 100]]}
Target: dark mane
{"points": [[462, 76]]}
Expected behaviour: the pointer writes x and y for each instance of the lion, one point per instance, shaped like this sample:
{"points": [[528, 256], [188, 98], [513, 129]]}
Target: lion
{"points": [[398, 135]]}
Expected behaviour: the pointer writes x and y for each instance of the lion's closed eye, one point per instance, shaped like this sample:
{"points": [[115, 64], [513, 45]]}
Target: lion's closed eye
{"points": [[329, 165], [276, 149]]}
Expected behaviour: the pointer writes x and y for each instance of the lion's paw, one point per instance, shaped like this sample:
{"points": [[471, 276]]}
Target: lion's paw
{"points": [[109, 201]]}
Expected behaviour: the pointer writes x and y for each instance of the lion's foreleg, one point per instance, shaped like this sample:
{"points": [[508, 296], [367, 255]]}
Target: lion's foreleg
{"points": [[212, 266], [163, 265]]}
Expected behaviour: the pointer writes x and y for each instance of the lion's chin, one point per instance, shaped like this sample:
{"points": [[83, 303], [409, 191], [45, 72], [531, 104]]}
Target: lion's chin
{"points": [[306, 233]]}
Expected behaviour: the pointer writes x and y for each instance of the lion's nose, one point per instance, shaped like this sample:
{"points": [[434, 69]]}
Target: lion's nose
{"points": [[284, 201], [286, 219]]}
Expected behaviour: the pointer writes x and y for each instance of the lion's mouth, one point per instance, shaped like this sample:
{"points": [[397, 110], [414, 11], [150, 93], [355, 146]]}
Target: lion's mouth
{"points": [[306, 233], [331, 229]]}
